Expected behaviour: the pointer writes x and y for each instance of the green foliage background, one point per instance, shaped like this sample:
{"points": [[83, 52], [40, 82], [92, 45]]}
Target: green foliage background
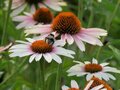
{"points": [[20, 75]]}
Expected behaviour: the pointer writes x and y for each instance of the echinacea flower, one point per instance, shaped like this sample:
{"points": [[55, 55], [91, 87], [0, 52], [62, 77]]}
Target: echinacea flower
{"points": [[91, 69], [3, 48], [19, 5], [38, 48], [74, 86], [40, 16], [97, 84], [68, 26]]}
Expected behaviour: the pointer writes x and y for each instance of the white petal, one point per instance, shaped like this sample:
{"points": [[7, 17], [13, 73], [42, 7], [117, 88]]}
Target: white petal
{"points": [[94, 61], [38, 57], [30, 40], [62, 51], [65, 87], [89, 76], [74, 84], [47, 57], [53, 5], [59, 43], [56, 58], [89, 85], [104, 64], [98, 87], [32, 58]]}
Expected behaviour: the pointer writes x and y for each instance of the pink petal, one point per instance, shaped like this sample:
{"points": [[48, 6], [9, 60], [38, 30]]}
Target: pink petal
{"points": [[70, 39], [39, 29], [79, 43], [18, 10], [94, 31], [89, 39]]}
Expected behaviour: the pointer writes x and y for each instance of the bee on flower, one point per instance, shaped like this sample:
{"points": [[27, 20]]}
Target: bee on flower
{"points": [[41, 16], [36, 48], [74, 86], [69, 27], [90, 69], [19, 5], [97, 84]]}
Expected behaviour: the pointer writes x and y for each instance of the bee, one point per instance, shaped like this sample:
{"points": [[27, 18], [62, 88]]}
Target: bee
{"points": [[50, 39]]}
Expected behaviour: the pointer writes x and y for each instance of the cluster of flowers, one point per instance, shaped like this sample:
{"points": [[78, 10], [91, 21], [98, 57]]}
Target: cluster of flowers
{"points": [[52, 34]]}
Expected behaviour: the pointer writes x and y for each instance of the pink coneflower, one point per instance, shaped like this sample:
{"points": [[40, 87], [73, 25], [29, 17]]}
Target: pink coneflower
{"points": [[68, 26], [74, 86], [40, 16], [19, 5], [38, 48], [3, 48], [91, 69], [97, 84]]}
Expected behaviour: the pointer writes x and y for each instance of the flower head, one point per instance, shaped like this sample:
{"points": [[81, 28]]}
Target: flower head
{"points": [[38, 48], [74, 86], [19, 5], [97, 84], [40, 16], [69, 27], [93, 69]]}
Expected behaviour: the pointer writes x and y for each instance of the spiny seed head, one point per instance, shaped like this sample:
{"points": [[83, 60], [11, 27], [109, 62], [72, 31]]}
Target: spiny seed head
{"points": [[93, 68], [66, 22], [33, 1], [43, 15], [41, 46], [97, 82]]}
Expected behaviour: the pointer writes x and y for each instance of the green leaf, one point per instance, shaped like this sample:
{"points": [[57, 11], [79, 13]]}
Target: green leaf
{"points": [[116, 52]]}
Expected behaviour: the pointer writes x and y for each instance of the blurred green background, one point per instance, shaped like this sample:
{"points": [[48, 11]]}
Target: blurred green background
{"points": [[105, 14]]}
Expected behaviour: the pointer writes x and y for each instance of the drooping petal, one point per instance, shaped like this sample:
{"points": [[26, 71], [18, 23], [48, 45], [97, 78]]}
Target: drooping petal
{"points": [[32, 58], [38, 29], [18, 10], [38, 57], [79, 43], [47, 57], [56, 58], [70, 39], [96, 32]]}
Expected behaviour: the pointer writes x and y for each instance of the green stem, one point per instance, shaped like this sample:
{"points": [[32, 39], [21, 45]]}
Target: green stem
{"points": [[6, 21], [14, 73], [57, 84], [91, 15], [42, 79], [108, 26], [80, 9]]}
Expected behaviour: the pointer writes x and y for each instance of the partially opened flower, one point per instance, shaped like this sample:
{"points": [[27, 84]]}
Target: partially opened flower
{"points": [[38, 48], [3, 48], [74, 86], [91, 69], [40, 16], [68, 26], [97, 84], [19, 5]]}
